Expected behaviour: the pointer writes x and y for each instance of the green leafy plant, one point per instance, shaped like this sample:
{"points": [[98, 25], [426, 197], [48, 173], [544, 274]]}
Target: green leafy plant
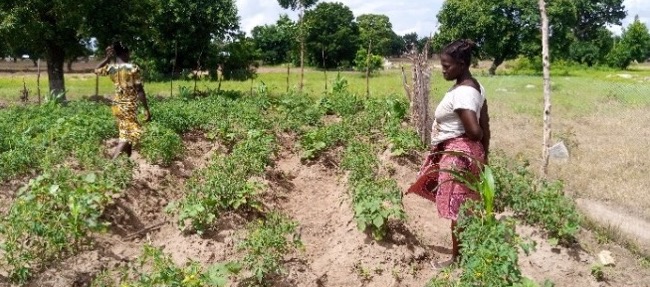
{"points": [[56, 213], [597, 272], [534, 201], [160, 144], [376, 201], [268, 241], [155, 268]]}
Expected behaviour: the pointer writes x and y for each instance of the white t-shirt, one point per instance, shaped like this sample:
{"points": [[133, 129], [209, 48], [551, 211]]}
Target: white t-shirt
{"points": [[447, 123]]}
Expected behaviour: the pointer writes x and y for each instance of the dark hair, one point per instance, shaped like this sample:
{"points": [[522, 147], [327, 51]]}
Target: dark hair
{"points": [[120, 50], [460, 50]]}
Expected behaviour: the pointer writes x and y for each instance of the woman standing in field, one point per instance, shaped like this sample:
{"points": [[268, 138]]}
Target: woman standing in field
{"points": [[461, 125], [128, 90]]}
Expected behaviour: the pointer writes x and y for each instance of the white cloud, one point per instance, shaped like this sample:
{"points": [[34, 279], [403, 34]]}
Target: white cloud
{"points": [[407, 16]]}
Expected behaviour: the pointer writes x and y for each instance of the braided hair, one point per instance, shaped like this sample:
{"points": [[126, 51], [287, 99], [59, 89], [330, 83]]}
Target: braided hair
{"points": [[460, 50]]}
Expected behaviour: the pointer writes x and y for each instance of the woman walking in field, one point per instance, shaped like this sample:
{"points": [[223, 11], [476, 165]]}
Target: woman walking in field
{"points": [[461, 124], [128, 90]]}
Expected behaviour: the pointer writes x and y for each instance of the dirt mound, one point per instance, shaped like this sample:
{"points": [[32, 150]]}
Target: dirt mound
{"points": [[335, 252]]}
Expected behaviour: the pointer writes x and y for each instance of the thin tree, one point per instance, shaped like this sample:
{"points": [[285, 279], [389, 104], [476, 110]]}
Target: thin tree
{"points": [[300, 5], [547, 88]]}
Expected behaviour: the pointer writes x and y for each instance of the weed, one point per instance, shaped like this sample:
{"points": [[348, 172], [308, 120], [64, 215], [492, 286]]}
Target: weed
{"points": [[154, 268], [160, 144], [597, 272], [56, 212], [362, 272], [266, 245], [535, 201], [375, 201]]}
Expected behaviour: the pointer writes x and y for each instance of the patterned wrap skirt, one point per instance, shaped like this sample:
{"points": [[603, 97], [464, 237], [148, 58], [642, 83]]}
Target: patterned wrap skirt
{"points": [[441, 187], [126, 114]]}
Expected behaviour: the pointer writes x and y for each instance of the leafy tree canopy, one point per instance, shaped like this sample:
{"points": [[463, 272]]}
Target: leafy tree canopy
{"points": [[376, 30], [332, 34]]}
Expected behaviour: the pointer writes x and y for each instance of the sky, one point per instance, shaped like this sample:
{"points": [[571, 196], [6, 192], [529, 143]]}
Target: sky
{"points": [[406, 16]]}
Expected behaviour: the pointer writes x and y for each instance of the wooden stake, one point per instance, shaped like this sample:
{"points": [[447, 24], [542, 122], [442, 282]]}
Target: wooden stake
{"points": [[288, 75], [302, 48], [38, 80], [368, 69], [547, 89], [324, 68]]}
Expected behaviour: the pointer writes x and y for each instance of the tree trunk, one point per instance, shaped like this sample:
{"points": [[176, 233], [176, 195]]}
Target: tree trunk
{"points": [[69, 65], [55, 61], [547, 89], [495, 64]]}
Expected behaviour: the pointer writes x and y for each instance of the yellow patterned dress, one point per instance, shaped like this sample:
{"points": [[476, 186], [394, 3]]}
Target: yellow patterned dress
{"points": [[125, 107]]}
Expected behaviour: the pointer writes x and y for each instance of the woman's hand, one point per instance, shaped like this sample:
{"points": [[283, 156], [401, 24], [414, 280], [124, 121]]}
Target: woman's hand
{"points": [[110, 52], [147, 115]]}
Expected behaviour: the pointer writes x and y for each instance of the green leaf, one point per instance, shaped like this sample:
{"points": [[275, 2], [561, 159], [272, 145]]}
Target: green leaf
{"points": [[90, 178], [378, 221], [54, 188]]}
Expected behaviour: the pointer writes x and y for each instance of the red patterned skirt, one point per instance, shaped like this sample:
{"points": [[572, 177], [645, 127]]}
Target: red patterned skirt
{"points": [[441, 187]]}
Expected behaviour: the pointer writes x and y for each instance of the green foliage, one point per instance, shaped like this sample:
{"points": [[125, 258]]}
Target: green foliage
{"points": [[224, 185], [488, 259], [376, 30], [597, 272], [506, 29], [238, 58], [364, 61], [331, 33], [154, 268], [535, 201], [160, 144], [594, 51], [636, 40], [274, 43], [376, 201], [57, 212], [596, 15], [38, 138], [296, 4], [314, 142], [489, 246], [267, 243], [179, 34], [498, 27]]}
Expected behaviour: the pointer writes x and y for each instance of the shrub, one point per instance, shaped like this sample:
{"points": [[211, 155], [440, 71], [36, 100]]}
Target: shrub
{"points": [[160, 144]]}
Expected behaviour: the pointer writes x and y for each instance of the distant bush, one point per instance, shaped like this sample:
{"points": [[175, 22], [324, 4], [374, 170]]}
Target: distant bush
{"points": [[361, 62]]}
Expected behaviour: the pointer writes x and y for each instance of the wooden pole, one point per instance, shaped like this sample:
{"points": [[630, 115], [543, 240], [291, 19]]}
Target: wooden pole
{"points": [[368, 55], [324, 68], [547, 89], [38, 80], [288, 75], [302, 48], [171, 83]]}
